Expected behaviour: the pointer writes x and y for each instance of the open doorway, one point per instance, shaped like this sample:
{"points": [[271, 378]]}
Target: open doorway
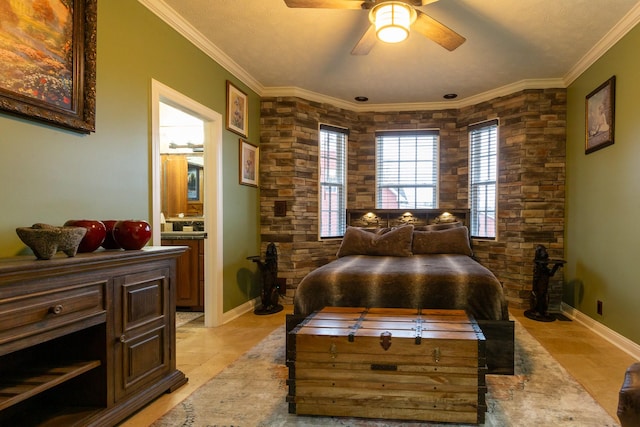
{"points": [[204, 190]]}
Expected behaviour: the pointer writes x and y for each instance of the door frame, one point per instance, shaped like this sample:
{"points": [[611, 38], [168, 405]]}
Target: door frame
{"points": [[213, 125]]}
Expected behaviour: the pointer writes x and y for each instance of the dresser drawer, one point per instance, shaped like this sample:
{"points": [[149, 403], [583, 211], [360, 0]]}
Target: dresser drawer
{"points": [[35, 313]]}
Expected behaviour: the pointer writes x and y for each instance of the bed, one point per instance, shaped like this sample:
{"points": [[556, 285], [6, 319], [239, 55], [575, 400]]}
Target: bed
{"points": [[449, 281], [422, 259]]}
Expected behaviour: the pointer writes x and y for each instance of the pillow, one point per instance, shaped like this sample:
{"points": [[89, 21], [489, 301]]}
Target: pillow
{"points": [[448, 241], [439, 226], [395, 242]]}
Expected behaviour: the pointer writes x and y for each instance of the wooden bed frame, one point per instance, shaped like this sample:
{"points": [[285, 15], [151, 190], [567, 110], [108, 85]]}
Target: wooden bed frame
{"points": [[380, 218], [499, 334]]}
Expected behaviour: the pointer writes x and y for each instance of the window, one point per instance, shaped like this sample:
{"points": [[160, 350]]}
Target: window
{"points": [[333, 180], [483, 161], [407, 169]]}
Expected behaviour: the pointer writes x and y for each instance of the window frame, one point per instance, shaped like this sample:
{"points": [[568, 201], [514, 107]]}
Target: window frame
{"points": [[342, 202], [474, 223], [435, 161]]}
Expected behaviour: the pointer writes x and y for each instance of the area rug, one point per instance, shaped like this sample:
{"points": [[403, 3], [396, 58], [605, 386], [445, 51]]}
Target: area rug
{"points": [[251, 392]]}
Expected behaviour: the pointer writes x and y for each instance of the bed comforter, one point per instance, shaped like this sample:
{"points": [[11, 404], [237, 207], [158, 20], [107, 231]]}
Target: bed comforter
{"points": [[440, 281]]}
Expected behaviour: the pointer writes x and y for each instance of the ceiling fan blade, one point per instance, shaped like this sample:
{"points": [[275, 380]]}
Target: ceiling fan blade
{"points": [[366, 42], [325, 4], [439, 33], [426, 2]]}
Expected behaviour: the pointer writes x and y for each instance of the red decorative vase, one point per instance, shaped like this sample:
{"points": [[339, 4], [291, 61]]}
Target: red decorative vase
{"points": [[132, 234], [109, 241], [96, 232]]}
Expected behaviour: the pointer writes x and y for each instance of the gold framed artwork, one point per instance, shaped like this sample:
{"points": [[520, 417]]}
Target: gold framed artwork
{"points": [[600, 116], [249, 162], [48, 66], [237, 111]]}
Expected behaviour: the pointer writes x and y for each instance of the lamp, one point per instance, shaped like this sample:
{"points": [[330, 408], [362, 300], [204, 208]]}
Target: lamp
{"points": [[392, 20]]}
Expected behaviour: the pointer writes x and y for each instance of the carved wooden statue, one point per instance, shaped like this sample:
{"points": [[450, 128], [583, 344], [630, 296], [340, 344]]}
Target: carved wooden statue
{"points": [[539, 299], [269, 274]]}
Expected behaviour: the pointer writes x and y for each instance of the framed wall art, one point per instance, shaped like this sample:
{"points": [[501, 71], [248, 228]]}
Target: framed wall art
{"points": [[600, 116], [48, 66], [237, 111], [249, 159]]}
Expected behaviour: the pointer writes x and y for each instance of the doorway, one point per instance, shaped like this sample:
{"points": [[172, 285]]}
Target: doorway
{"points": [[211, 123]]}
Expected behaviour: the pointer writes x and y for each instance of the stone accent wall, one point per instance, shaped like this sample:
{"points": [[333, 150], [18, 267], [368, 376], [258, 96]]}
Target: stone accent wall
{"points": [[530, 189]]}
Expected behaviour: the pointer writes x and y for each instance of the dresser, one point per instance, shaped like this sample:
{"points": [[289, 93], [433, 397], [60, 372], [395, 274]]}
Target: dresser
{"points": [[86, 340]]}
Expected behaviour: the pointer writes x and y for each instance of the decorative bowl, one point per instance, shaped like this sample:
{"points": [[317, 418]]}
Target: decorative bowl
{"points": [[45, 240], [96, 233]]}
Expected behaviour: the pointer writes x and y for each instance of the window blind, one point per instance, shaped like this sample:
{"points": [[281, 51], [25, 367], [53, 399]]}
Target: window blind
{"points": [[483, 162], [407, 169], [332, 180]]}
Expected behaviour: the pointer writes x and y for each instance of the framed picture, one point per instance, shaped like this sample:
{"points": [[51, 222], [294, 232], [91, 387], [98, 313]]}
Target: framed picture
{"points": [[237, 111], [48, 66], [600, 116], [249, 160]]}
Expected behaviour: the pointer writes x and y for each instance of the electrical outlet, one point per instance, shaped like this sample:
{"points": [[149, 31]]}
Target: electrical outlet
{"points": [[599, 307], [282, 285]]}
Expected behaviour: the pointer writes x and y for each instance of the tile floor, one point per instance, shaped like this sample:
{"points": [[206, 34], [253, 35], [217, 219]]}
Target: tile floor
{"points": [[597, 364], [203, 352]]}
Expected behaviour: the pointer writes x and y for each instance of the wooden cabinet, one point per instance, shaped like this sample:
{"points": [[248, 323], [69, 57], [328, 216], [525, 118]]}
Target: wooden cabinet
{"points": [[189, 273], [174, 184], [86, 340]]}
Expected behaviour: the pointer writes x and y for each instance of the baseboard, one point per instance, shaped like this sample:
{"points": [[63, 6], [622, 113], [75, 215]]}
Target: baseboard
{"points": [[623, 343], [234, 313]]}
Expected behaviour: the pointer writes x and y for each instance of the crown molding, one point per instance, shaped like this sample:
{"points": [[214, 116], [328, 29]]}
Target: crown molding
{"points": [[293, 91], [178, 23], [626, 24], [416, 106], [175, 21]]}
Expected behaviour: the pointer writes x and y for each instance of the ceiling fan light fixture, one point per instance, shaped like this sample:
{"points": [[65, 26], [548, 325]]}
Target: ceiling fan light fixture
{"points": [[392, 21]]}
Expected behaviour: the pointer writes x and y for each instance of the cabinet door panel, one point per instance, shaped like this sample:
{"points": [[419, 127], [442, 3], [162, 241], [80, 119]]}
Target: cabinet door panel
{"points": [[174, 187], [188, 273], [142, 349], [144, 357]]}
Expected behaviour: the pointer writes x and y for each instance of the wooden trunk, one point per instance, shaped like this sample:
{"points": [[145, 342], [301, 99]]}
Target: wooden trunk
{"points": [[426, 365]]}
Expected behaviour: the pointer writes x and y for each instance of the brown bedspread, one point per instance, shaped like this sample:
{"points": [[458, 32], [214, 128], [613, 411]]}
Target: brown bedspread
{"points": [[445, 281]]}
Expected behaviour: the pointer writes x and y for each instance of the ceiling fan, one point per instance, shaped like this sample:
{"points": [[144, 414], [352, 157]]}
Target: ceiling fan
{"points": [[381, 15]]}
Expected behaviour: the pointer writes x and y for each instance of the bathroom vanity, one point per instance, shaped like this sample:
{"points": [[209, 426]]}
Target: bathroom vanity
{"points": [[189, 268]]}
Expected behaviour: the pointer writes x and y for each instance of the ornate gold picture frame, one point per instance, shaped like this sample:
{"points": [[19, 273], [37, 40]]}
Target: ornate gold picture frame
{"points": [[48, 65]]}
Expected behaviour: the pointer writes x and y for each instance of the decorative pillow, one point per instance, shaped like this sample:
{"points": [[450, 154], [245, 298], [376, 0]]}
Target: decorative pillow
{"points": [[448, 241], [439, 226], [395, 242]]}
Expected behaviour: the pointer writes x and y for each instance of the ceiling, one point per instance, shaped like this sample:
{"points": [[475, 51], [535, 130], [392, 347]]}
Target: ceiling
{"points": [[511, 45]]}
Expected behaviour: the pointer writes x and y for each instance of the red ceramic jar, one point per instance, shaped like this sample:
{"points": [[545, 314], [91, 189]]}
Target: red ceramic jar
{"points": [[109, 241], [132, 234], [96, 232]]}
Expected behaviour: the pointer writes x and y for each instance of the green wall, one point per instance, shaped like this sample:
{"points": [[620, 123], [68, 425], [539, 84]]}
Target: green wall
{"points": [[51, 175], [603, 197]]}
